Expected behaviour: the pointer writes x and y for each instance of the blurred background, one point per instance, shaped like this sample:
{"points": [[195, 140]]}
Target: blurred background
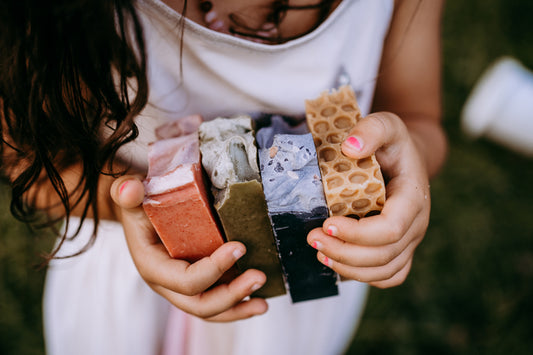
{"points": [[470, 290]]}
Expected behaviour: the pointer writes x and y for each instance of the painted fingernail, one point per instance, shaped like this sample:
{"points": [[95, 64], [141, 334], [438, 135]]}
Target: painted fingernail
{"points": [[354, 142], [332, 231], [317, 245], [122, 187], [326, 261]]}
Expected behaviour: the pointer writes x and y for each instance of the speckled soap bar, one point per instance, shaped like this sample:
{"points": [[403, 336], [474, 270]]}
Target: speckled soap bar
{"points": [[229, 157], [296, 205]]}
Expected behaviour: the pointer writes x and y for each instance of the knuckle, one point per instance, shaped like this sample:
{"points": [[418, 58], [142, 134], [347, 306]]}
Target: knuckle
{"points": [[188, 289], [389, 255], [395, 231], [204, 313], [189, 286]]}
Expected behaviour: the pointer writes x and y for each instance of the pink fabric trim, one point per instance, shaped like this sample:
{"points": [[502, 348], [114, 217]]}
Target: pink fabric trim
{"points": [[177, 333]]}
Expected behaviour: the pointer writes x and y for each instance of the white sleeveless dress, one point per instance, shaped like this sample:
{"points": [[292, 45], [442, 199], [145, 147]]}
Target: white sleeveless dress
{"points": [[96, 303]]}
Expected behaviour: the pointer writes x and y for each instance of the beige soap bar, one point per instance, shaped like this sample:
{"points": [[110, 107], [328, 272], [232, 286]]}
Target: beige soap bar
{"points": [[353, 187]]}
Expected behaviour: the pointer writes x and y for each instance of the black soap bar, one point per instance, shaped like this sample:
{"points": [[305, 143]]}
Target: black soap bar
{"points": [[307, 278], [296, 204]]}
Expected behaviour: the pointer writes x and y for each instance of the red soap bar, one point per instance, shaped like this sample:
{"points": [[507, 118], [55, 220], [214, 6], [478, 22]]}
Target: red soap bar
{"points": [[176, 200]]}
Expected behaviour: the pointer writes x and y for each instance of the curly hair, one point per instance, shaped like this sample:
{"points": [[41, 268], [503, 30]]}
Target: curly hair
{"points": [[67, 68]]}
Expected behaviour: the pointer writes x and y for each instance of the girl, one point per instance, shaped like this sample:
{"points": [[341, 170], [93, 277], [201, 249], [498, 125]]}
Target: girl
{"points": [[83, 86]]}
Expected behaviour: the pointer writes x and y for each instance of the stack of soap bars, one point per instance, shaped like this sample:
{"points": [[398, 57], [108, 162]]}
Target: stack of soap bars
{"points": [[229, 157], [271, 207]]}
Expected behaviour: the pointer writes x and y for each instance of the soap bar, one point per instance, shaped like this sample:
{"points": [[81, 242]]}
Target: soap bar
{"points": [[353, 187], [296, 204], [229, 157], [176, 199], [179, 127]]}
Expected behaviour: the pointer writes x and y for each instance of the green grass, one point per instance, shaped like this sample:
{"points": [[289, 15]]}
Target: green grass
{"points": [[470, 290], [471, 287], [21, 283]]}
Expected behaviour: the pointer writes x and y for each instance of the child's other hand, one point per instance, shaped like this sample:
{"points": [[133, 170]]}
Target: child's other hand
{"points": [[185, 285], [379, 249]]}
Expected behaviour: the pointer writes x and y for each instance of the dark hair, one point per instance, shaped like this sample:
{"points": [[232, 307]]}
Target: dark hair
{"points": [[65, 70]]}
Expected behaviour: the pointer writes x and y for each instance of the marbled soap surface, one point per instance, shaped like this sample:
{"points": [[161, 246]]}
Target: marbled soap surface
{"points": [[296, 204], [291, 175], [228, 149], [229, 157]]}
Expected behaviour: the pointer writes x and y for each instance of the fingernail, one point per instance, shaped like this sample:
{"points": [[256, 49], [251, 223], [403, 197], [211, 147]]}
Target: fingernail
{"points": [[237, 253], [332, 231], [317, 245], [354, 142], [255, 287], [326, 261], [122, 187]]}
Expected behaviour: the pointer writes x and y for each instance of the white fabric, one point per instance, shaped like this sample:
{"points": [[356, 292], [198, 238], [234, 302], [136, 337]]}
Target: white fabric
{"points": [[97, 304], [318, 327]]}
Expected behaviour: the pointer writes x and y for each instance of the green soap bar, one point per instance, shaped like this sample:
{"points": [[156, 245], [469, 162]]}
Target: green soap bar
{"points": [[229, 157], [244, 217]]}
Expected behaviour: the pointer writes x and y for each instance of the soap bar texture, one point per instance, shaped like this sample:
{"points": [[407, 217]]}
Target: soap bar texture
{"points": [[176, 199], [353, 187], [229, 157], [296, 205]]}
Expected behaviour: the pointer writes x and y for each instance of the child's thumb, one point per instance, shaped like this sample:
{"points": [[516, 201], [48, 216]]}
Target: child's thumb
{"points": [[368, 135], [127, 192]]}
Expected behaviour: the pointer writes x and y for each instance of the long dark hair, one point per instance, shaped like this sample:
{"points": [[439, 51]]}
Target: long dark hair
{"points": [[65, 70]]}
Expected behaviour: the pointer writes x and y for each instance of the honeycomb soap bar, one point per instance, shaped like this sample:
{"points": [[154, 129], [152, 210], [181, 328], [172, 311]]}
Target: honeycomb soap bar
{"points": [[176, 200], [353, 187], [296, 205], [229, 157]]}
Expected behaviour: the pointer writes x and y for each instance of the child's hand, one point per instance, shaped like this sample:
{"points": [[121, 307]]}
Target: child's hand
{"points": [[379, 249], [183, 284]]}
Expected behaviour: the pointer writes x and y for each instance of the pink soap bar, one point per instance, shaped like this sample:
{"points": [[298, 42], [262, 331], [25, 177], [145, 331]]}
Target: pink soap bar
{"points": [[179, 127], [176, 199]]}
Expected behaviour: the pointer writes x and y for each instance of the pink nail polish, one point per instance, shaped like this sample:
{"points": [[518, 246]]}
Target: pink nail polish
{"points": [[122, 187], [326, 261], [354, 142], [332, 231], [317, 245]]}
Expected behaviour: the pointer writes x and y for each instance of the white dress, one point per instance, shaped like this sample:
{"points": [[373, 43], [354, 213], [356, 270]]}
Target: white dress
{"points": [[96, 303]]}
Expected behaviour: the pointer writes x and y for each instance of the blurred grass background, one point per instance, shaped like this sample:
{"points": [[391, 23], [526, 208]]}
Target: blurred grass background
{"points": [[470, 290]]}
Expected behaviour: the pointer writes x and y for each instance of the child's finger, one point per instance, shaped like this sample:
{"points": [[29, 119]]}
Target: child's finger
{"points": [[396, 280], [223, 302], [243, 310], [158, 268], [406, 201], [356, 255], [371, 274], [373, 132], [151, 258], [127, 191]]}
